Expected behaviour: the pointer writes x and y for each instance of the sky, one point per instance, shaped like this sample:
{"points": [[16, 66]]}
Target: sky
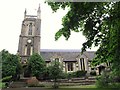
{"points": [[12, 15]]}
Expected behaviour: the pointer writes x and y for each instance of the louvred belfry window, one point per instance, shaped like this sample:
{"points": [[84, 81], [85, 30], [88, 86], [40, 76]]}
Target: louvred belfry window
{"points": [[30, 29]]}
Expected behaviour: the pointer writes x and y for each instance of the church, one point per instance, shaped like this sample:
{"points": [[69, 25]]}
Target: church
{"points": [[29, 43]]}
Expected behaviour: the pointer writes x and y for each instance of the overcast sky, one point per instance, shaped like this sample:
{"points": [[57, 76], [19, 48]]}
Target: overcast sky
{"points": [[12, 15]]}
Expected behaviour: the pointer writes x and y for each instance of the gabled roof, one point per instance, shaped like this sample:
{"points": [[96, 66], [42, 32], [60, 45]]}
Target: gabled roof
{"points": [[60, 50], [66, 54]]}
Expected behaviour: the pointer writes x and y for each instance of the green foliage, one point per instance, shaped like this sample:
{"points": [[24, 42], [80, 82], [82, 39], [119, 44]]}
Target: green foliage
{"points": [[93, 73], [2, 85], [36, 65], [46, 75], [83, 15], [49, 75], [99, 23], [6, 79], [103, 80], [64, 75], [36, 85], [10, 64], [80, 73], [55, 6], [55, 72], [114, 85], [107, 81], [55, 86], [77, 74]]}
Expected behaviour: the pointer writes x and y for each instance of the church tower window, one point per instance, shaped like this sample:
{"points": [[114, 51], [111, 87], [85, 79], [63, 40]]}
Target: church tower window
{"points": [[28, 49], [25, 49], [30, 29]]}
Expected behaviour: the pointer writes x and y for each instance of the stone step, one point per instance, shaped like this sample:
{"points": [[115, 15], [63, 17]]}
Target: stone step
{"points": [[78, 82], [81, 82]]}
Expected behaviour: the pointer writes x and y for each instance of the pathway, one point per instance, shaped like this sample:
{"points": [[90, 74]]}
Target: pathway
{"points": [[30, 88]]}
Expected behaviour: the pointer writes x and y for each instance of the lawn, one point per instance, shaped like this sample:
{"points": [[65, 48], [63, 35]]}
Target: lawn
{"points": [[2, 85], [80, 86]]}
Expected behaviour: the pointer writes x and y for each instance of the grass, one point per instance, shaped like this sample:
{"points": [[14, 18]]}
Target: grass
{"points": [[65, 85], [2, 85], [80, 86]]}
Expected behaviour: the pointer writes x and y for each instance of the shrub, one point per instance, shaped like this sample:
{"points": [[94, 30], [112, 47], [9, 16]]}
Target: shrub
{"points": [[114, 85], [55, 72], [32, 82], [2, 85], [93, 73], [46, 74], [103, 80], [64, 75], [71, 75], [6, 79], [41, 85], [116, 79], [80, 73], [56, 86], [76, 74]]}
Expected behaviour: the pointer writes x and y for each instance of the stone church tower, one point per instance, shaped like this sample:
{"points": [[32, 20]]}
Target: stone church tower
{"points": [[29, 39]]}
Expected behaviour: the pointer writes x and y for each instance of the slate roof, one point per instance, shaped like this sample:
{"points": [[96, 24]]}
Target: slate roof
{"points": [[66, 54]]}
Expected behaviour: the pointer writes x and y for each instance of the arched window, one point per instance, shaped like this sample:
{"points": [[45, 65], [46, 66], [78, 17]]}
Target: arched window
{"points": [[30, 29], [56, 59], [70, 66], [29, 47], [82, 63]]}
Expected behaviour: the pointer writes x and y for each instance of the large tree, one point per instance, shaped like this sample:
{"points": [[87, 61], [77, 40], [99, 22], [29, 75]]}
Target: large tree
{"points": [[10, 64], [100, 24], [36, 65]]}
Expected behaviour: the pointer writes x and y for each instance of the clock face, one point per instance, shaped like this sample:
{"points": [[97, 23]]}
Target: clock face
{"points": [[29, 41]]}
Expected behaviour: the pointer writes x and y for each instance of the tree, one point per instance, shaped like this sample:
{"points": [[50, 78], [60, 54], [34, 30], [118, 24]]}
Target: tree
{"points": [[10, 64], [55, 71], [36, 65], [100, 24]]}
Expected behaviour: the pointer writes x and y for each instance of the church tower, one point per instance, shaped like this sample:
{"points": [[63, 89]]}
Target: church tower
{"points": [[29, 39]]}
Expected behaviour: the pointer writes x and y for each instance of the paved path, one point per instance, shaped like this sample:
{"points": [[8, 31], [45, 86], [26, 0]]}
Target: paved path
{"points": [[30, 88]]}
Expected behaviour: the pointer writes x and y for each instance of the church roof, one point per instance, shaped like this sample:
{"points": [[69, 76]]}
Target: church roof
{"points": [[60, 50], [66, 54]]}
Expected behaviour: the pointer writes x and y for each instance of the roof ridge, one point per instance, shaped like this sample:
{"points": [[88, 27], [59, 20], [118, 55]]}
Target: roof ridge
{"points": [[63, 50]]}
